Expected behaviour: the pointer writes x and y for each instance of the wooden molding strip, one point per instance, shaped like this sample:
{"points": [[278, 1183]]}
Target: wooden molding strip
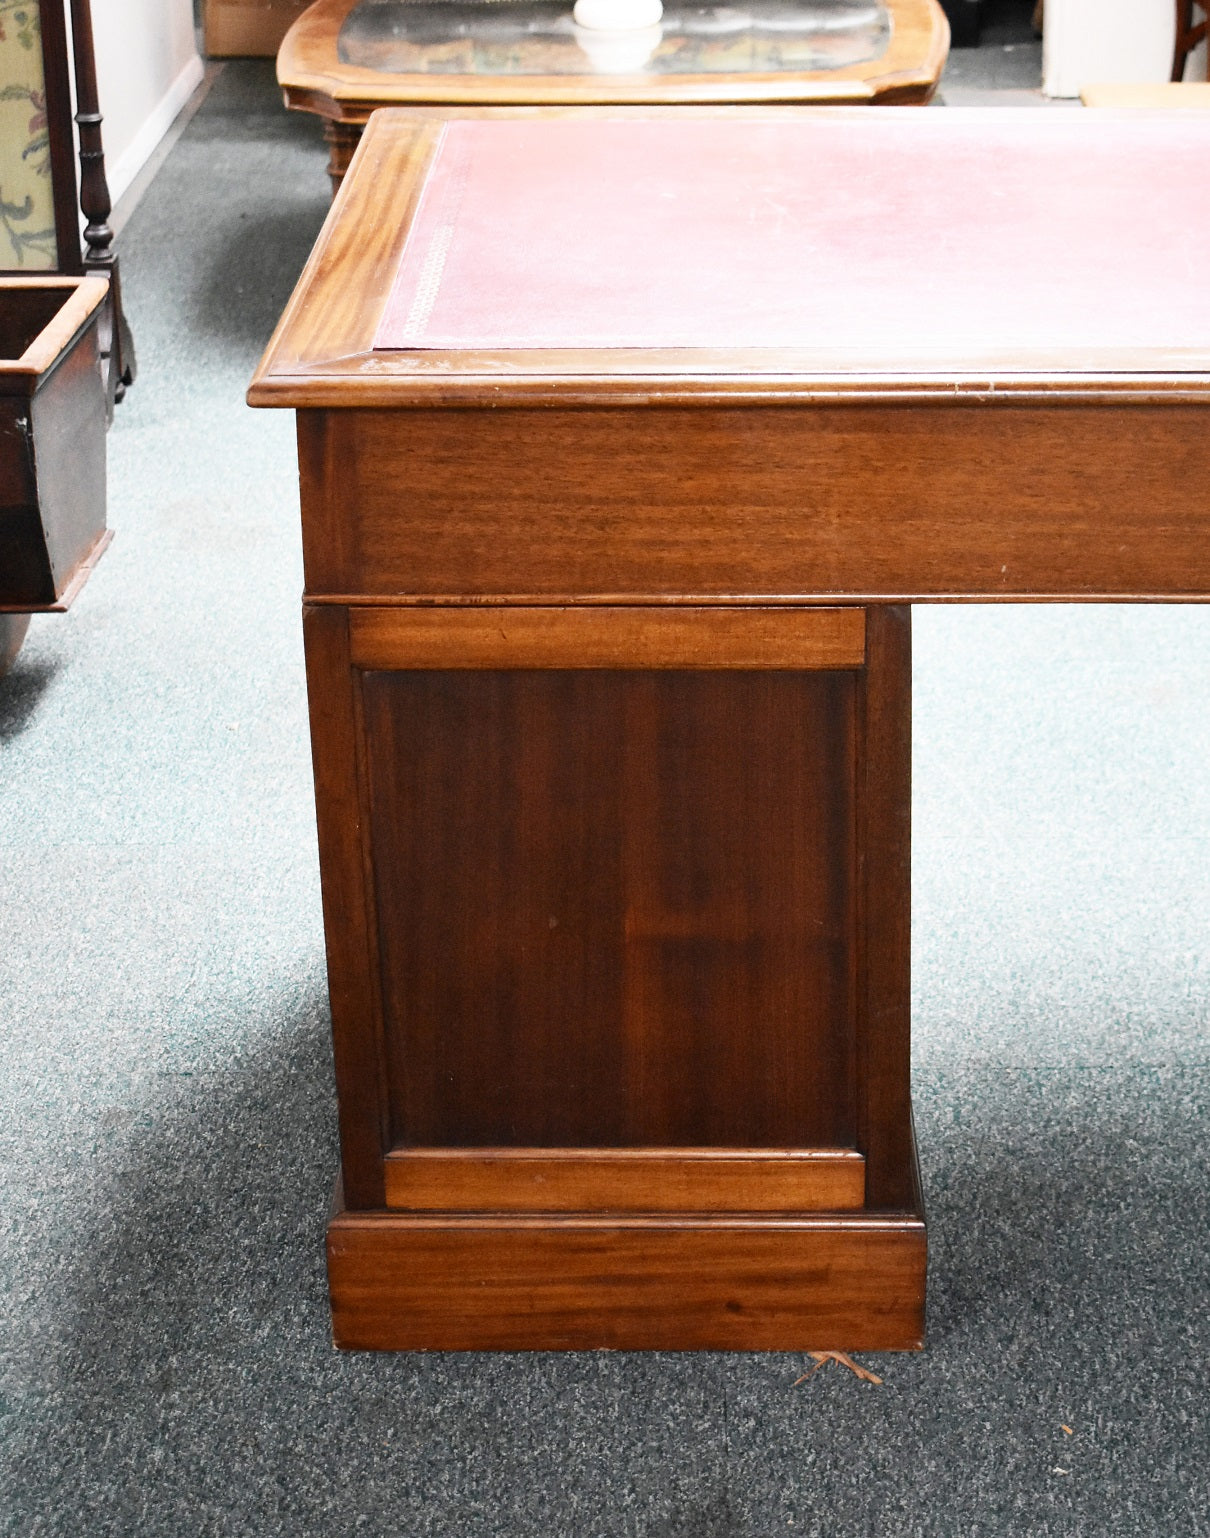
{"points": [[81, 297], [602, 637], [465, 1283], [513, 1180]]}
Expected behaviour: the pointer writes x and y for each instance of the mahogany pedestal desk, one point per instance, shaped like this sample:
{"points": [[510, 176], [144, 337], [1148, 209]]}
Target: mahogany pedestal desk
{"points": [[625, 448]]}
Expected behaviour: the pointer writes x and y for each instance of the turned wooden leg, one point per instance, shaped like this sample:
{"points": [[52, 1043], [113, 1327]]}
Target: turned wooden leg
{"points": [[343, 139], [12, 633], [1188, 36], [117, 345]]}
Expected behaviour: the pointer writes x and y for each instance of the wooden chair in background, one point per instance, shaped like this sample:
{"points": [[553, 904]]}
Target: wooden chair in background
{"points": [[1188, 34]]}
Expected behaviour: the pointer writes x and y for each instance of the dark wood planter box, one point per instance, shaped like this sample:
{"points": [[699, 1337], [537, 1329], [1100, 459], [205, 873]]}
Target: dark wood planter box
{"points": [[52, 440]]}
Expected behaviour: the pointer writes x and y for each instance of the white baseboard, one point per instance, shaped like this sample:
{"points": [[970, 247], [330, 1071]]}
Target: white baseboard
{"points": [[122, 172]]}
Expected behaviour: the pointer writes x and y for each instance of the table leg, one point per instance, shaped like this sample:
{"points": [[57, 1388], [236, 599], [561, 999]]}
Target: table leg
{"points": [[342, 140], [12, 633]]}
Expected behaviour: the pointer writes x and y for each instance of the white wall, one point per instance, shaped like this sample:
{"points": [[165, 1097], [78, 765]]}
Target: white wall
{"points": [[1088, 42], [147, 68]]}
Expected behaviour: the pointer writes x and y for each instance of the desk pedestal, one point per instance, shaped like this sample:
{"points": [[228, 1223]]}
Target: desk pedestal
{"points": [[617, 910]]}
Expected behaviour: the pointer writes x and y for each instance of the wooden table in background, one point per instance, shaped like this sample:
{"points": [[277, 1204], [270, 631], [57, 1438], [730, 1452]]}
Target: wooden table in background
{"points": [[343, 59], [608, 659]]}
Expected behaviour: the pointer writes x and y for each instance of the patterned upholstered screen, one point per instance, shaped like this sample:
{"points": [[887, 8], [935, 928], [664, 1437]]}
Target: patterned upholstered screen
{"points": [[27, 205]]}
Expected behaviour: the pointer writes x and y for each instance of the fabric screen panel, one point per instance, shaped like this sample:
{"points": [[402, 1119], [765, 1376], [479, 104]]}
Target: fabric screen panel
{"points": [[27, 202]]}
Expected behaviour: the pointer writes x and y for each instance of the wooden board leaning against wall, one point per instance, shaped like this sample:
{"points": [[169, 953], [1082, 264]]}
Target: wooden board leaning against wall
{"points": [[247, 28]]}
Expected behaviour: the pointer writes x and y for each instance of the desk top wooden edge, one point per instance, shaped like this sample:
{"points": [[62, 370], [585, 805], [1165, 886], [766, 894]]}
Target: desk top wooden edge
{"points": [[322, 355], [313, 79]]}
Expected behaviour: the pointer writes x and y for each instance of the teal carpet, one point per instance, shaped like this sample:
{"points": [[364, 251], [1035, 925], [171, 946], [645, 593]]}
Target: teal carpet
{"points": [[167, 1139]]}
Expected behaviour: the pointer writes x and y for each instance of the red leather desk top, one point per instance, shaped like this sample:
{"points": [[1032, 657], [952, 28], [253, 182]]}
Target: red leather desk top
{"points": [[944, 232]]}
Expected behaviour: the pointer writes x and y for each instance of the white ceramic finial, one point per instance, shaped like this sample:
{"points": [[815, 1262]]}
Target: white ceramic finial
{"points": [[620, 53], [617, 15]]}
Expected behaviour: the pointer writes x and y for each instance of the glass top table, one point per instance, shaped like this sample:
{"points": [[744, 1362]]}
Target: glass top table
{"points": [[526, 38], [342, 59]]}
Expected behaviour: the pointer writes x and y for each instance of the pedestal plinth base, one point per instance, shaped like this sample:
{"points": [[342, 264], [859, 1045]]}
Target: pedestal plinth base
{"points": [[668, 1281]]}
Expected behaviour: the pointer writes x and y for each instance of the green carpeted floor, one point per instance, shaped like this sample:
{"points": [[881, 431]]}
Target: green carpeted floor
{"points": [[167, 1139]]}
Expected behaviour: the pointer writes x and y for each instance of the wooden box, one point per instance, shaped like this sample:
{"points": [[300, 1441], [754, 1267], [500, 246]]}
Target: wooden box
{"points": [[235, 28], [52, 440]]}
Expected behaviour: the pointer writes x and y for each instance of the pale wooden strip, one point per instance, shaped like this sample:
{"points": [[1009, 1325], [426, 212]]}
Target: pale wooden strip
{"points": [[81, 296], [741, 377], [328, 316], [605, 637], [625, 1180], [1171, 96]]}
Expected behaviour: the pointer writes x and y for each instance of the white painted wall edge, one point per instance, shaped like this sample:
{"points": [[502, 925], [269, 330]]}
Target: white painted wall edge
{"points": [[1095, 42], [155, 125]]}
